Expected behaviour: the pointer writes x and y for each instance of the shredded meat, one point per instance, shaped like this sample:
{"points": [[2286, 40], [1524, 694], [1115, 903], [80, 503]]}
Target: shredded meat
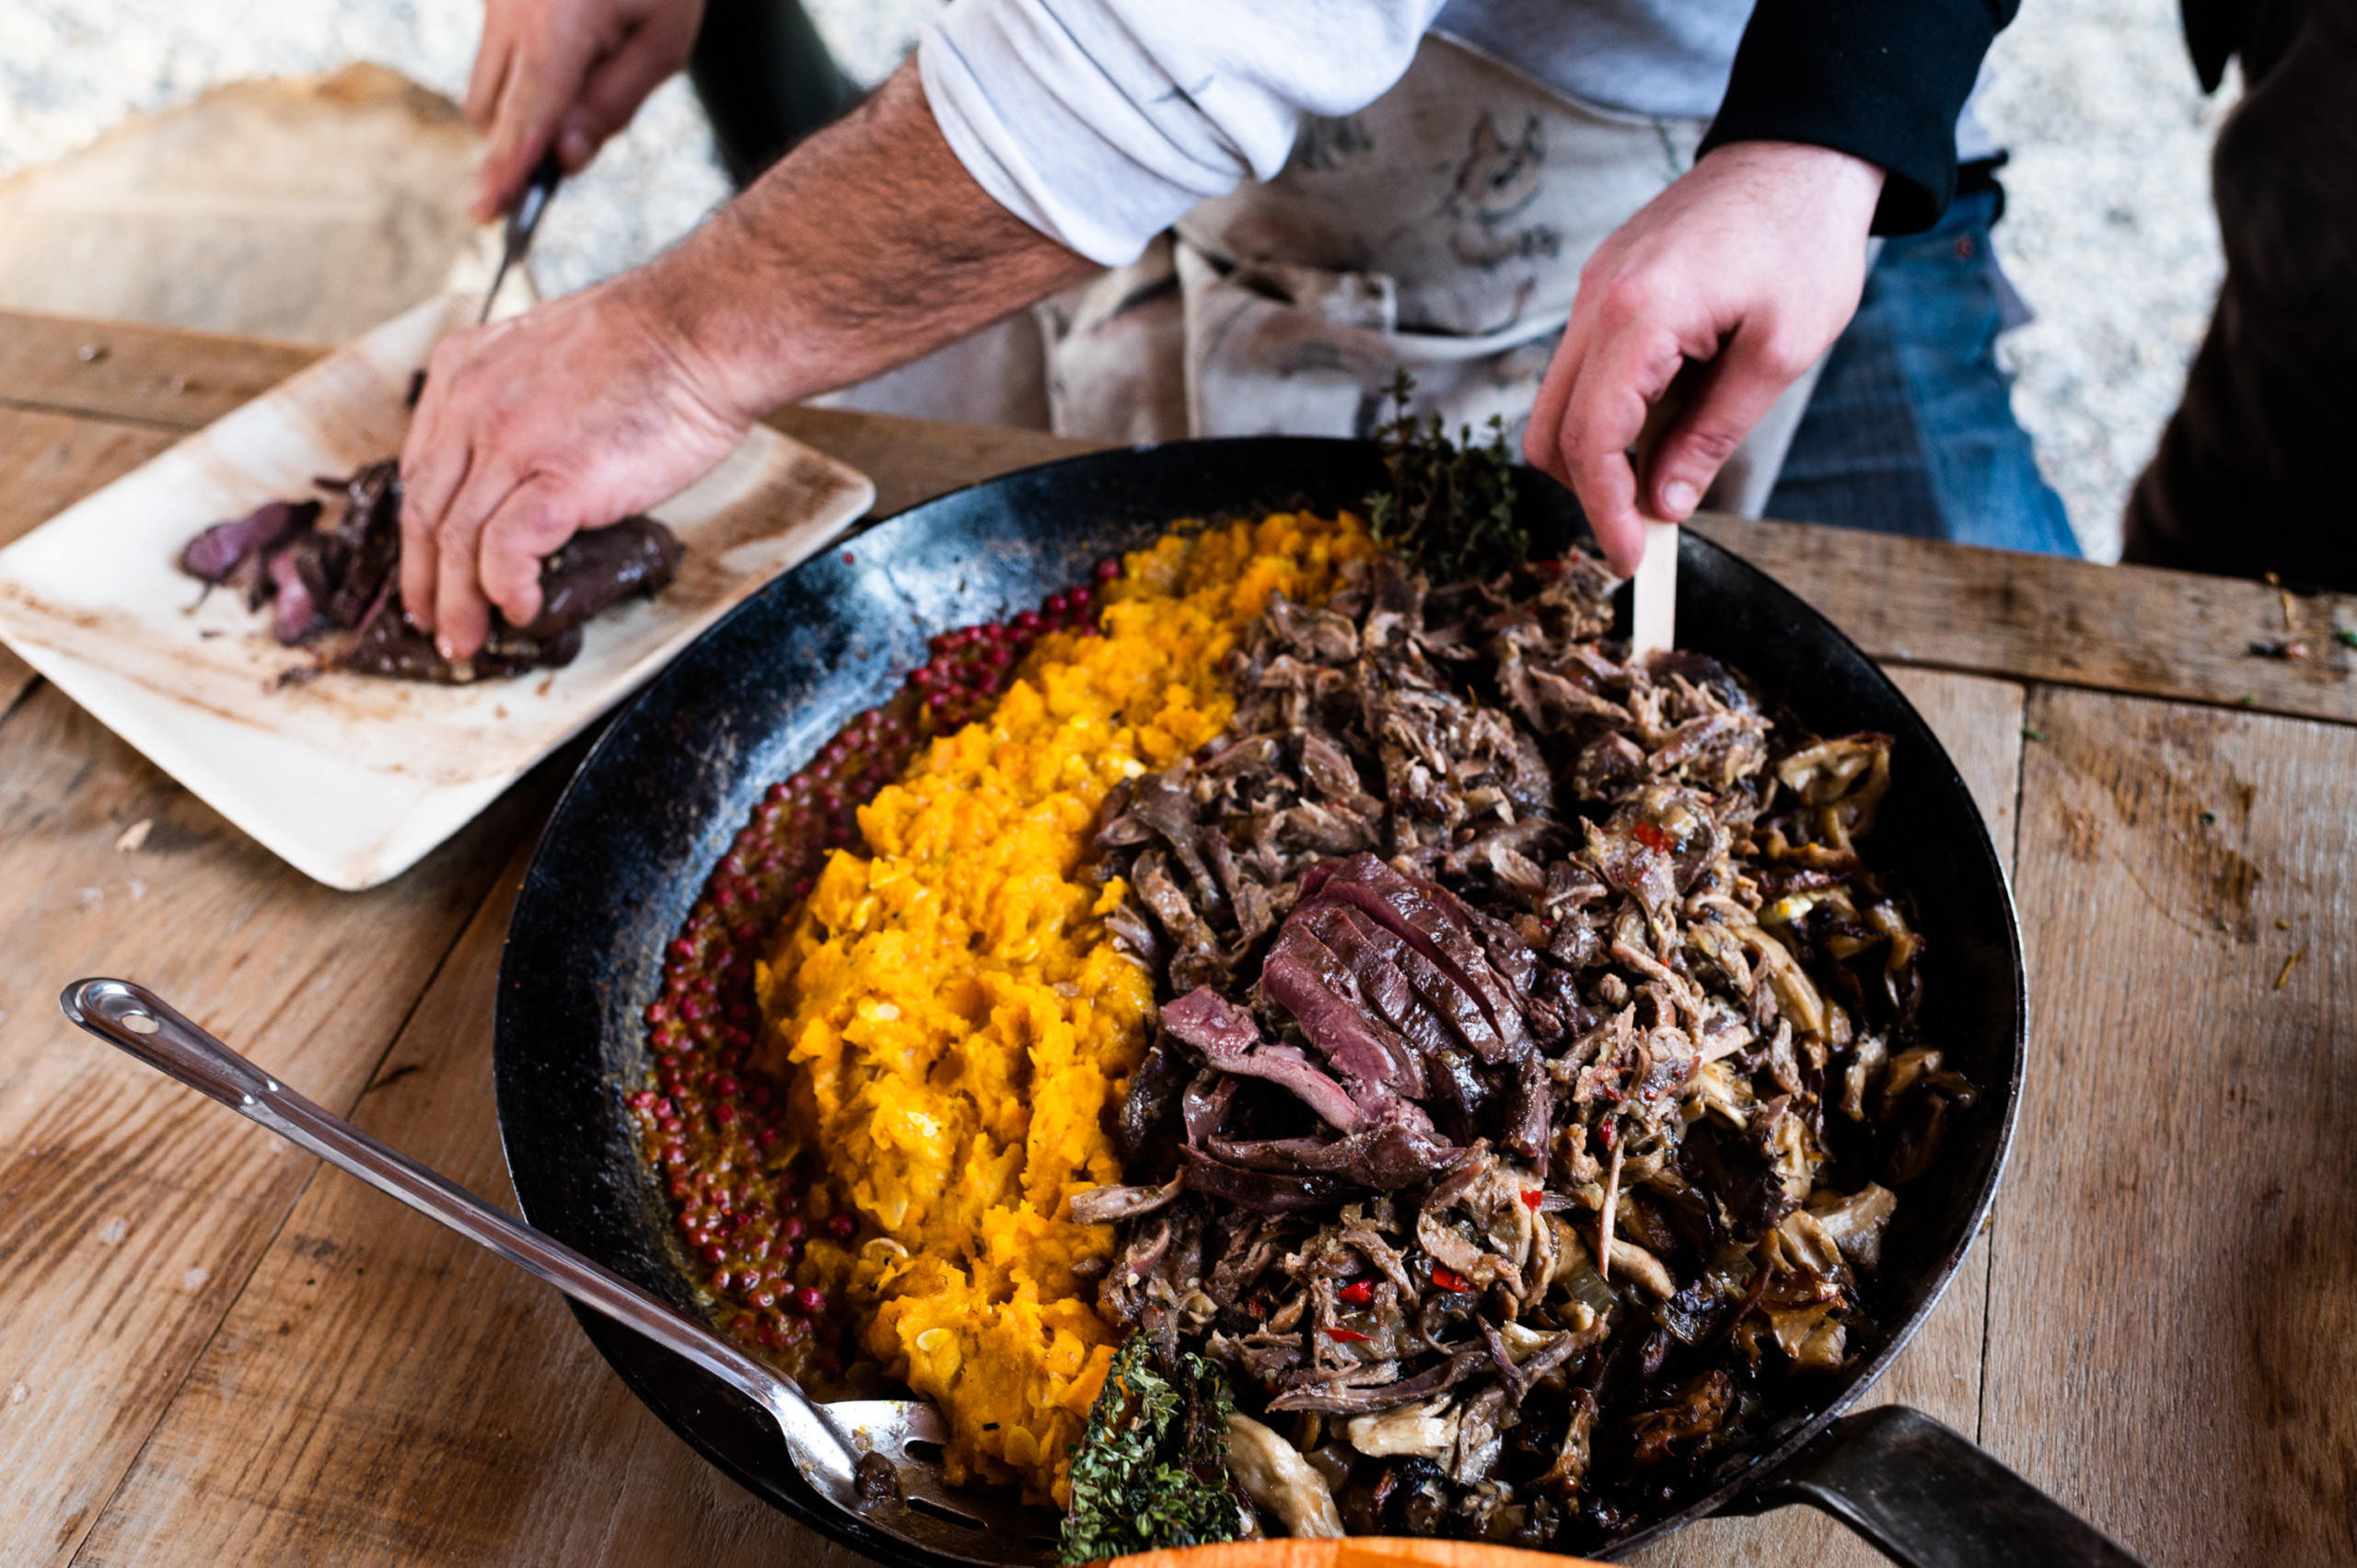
{"points": [[1540, 1068]]}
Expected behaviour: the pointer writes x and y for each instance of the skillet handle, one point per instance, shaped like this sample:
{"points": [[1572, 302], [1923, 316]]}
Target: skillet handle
{"points": [[1929, 1497]]}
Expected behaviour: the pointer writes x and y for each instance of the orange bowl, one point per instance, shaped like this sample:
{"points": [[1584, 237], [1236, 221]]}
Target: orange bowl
{"points": [[1354, 1552]]}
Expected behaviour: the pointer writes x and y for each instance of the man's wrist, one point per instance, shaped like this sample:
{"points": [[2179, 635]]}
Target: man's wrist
{"points": [[725, 321], [1827, 176]]}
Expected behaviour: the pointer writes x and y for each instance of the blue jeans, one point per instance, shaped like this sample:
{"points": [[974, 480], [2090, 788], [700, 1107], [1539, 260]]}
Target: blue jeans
{"points": [[1911, 427]]}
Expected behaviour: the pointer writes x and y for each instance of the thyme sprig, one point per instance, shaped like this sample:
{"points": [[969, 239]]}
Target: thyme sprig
{"points": [[1151, 1468], [1449, 512]]}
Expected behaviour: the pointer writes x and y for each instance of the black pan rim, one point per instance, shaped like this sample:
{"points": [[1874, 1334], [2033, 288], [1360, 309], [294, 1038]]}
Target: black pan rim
{"points": [[616, 1344]]}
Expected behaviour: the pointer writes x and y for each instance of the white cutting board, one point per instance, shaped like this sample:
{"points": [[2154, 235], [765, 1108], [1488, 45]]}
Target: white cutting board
{"points": [[350, 779]]}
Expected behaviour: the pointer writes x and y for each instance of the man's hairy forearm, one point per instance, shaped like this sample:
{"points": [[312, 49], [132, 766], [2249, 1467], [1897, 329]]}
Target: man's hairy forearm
{"points": [[868, 246]]}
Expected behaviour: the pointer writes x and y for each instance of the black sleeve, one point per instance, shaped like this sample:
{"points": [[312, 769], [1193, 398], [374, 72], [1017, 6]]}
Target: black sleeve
{"points": [[1883, 80]]}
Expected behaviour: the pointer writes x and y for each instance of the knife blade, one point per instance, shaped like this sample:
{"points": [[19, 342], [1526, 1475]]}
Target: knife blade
{"points": [[523, 220]]}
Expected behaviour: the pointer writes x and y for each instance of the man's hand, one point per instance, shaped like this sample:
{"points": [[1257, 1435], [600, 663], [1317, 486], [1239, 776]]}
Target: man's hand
{"points": [[565, 73], [567, 417], [1753, 260], [866, 246]]}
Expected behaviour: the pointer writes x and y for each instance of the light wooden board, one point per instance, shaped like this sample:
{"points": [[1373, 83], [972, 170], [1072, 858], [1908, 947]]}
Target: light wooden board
{"points": [[1980, 722], [130, 1211], [2032, 617], [920, 458], [47, 462], [424, 1401], [123, 370], [386, 1393], [2167, 1298], [2173, 1336]]}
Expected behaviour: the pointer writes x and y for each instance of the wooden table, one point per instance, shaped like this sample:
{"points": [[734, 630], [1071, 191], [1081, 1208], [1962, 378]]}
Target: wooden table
{"points": [[213, 1352]]}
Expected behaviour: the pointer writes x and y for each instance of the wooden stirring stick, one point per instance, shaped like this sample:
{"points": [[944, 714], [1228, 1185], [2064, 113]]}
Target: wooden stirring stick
{"points": [[1653, 621]]}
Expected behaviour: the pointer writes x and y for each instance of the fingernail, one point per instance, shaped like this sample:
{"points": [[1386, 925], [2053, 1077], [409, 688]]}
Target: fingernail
{"points": [[443, 645], [1679, 496], [576, 150]]}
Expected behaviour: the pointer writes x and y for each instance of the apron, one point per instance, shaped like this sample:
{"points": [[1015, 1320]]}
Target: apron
{"points": [[1442, 229]]}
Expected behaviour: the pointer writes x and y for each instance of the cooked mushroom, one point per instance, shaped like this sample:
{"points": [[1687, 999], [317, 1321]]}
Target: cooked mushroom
{"points": [[1427, 1430], [1856, 1222], [1274, 1475]]}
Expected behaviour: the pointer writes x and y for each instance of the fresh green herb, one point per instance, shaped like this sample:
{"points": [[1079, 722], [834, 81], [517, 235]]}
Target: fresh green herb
{"points": [[2346, 636], [1449, 512], [2208, 819], [1151, 1470], [2031, 732]]}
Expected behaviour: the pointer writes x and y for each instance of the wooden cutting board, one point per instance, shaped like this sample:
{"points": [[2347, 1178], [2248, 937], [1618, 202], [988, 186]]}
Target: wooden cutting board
{"points": [[350, 779]]}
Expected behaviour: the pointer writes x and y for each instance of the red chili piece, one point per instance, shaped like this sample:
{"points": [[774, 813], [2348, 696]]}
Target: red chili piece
{"points": [[1358, 1293], [1652, 837], [1352, 1335], [1533, 1198], [1448, 1277]]}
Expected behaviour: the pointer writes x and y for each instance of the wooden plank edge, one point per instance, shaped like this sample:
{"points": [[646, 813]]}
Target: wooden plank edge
{"points": [[2143, 631], [2063, 683], [229, 1300]]}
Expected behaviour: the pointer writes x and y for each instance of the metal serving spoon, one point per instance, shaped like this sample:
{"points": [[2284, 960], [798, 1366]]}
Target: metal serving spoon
{"points": [[878, 1461]]}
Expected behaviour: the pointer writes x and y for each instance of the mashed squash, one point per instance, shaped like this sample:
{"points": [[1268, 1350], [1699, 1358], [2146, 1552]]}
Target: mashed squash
{"points": [[952, 1023]]}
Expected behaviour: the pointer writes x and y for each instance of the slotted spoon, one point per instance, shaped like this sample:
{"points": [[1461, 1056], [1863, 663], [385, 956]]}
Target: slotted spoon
{"points": [[878, 1461]]}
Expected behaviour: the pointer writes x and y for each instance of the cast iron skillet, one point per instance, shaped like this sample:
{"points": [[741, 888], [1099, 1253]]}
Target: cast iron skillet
{"points": [[658, 799]]}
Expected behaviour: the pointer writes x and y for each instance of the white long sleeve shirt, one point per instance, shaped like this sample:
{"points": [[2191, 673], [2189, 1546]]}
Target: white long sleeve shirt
{"points": [[1100, 122]]}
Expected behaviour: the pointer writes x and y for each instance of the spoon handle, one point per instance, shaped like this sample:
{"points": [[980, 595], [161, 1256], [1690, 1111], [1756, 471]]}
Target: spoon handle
{"points": [[137, 1021]]}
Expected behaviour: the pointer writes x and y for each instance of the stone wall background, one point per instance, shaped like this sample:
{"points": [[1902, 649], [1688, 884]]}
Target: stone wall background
{"points": [[2110, 236]]}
